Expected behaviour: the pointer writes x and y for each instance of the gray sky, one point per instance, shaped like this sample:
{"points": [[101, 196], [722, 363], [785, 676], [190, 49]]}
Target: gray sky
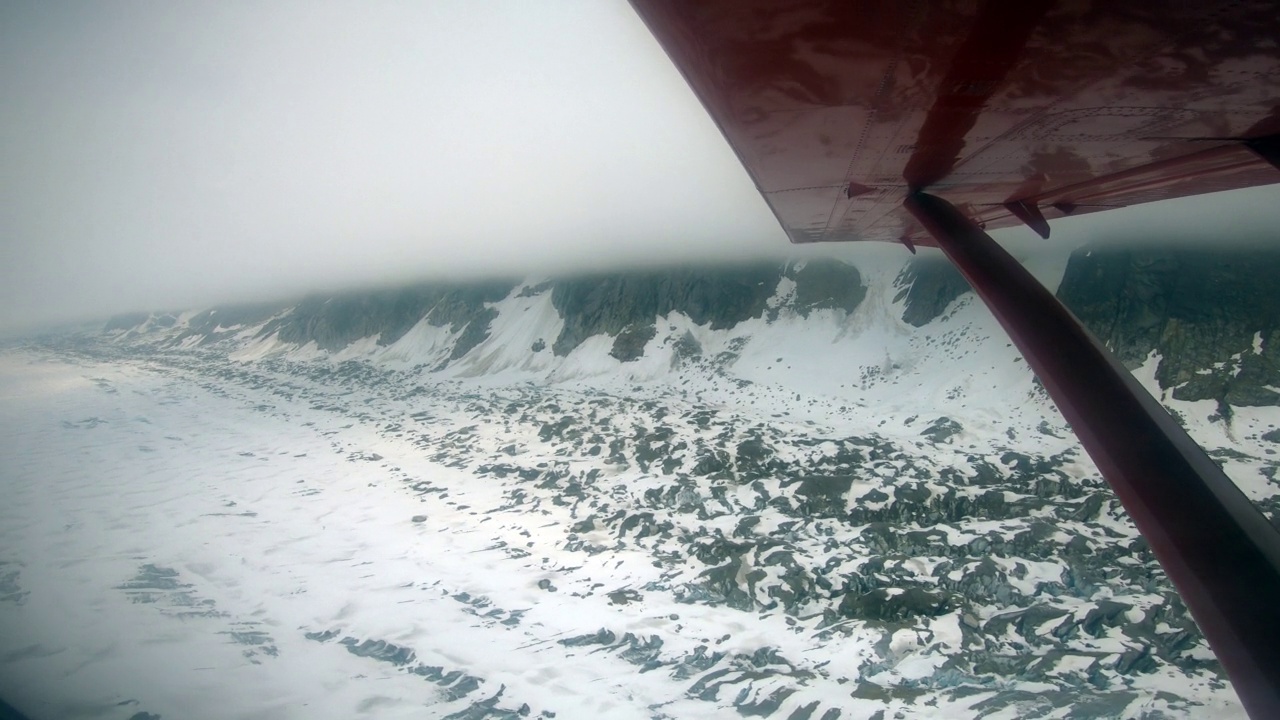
{"points": [[162, 154]]}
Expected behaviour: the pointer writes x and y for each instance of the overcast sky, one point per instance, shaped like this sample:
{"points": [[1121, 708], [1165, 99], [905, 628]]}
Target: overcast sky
{"points": [[162, 154]]}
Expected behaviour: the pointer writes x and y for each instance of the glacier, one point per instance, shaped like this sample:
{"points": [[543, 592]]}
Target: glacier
{"points": [[783, 492]]}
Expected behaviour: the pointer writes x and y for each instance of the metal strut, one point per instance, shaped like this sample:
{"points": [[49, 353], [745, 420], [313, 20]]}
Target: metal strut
{"points": [[1221, 553]]}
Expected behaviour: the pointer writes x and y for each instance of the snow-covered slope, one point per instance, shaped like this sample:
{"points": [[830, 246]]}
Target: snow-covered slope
{"points": [[756, 491]]}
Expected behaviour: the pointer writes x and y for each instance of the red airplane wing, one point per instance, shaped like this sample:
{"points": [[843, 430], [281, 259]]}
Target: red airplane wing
{"points": [[1015, 112]]}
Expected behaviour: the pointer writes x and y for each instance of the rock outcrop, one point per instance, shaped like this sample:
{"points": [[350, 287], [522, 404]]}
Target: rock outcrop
{"points": [[929, 285], [1211, 315]]}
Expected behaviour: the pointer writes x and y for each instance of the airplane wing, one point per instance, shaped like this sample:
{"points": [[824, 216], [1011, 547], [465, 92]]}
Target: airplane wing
{"points": [[1015, 112]]}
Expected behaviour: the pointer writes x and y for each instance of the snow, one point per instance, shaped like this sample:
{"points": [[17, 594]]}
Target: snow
{"points": [[424, 343], [508, 352], [272, 536], [288, 506]]}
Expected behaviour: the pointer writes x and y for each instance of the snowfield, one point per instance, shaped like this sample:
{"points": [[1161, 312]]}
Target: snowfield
{"points": [[836, 516]]}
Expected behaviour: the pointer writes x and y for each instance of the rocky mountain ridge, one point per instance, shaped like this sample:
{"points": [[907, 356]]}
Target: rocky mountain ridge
{"points": [[1211, 318]]}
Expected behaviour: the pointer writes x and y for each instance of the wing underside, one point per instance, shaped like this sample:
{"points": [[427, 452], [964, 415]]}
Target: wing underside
{"points": [[1014, 112]]}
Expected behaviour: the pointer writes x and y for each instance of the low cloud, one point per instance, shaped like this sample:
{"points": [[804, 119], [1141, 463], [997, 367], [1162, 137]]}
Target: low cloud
{"points": [[155, 155]]}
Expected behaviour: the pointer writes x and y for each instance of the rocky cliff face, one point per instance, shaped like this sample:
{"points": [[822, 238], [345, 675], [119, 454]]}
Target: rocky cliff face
{"points": [[626, 305], [929, 285], [1212, 316], [629, 303], [335, 322]]}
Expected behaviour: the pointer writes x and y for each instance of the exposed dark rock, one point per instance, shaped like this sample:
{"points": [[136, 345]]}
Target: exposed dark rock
{"points": [[602, 636], [930, 283], [827, 284], [609, 304], [1213, 316], [629, 345], [475, 332], [380, 650], [687, 347], [333, 322], [822, 496], [942, 429], [213, 325], [889, 606]]}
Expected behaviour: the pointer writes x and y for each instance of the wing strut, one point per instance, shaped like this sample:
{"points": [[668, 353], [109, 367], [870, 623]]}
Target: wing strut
{"points": [[1220, 552]]}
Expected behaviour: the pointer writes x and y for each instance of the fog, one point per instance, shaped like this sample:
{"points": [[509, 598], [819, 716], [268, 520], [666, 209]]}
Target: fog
{"points": [[167, 155]]}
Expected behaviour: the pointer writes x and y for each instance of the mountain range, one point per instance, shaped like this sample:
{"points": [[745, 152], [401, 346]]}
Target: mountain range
{"points": [[1211, 317], [816, 489]]}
